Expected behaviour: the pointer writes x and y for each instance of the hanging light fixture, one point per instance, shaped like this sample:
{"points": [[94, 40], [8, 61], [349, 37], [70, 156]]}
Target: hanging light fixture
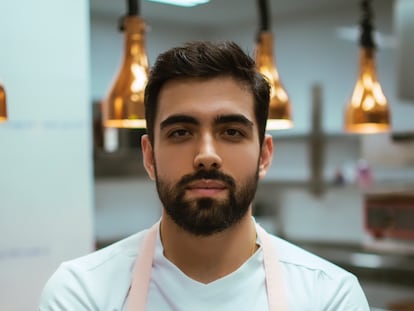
{"points": [[3, 106], [368, 109], [279, 108], [124, 106]]}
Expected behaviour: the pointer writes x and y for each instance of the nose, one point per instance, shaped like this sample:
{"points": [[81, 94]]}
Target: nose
{"points": [[207, 157]]}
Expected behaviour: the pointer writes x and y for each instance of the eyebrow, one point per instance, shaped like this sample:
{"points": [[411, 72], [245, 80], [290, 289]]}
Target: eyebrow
{"points": [[221, 119], [233, 118], [174, 119]]}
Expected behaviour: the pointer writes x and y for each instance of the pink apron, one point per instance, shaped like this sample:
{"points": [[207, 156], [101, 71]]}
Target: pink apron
{"points": [[137, 299]]}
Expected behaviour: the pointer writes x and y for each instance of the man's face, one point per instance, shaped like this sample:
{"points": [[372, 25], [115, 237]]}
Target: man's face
{"points": [[206, 157]]}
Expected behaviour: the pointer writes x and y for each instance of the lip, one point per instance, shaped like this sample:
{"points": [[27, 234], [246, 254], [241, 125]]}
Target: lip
{"points": [[206, 184], [206, 187]]}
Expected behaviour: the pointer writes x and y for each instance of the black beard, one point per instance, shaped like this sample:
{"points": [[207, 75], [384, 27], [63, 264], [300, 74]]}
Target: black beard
{"points": [[207, 216]]}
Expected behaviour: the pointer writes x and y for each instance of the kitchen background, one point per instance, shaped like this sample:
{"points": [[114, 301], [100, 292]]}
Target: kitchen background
{"points": [[62, 194]]}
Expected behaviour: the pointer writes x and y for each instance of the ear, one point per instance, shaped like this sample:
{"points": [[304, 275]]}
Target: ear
{"points": [[266, 156], [148, 156]]}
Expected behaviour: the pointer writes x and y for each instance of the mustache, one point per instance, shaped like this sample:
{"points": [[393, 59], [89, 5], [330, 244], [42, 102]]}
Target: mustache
{"points": [[204, 174]]}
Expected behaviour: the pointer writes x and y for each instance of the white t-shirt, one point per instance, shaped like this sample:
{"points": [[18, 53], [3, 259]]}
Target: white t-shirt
{"points": [[101, 281]]}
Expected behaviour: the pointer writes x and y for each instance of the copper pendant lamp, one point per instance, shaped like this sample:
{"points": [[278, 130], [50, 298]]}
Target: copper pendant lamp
{"points": [[3, 104], [368, 109], [124, 105], [279, 109]]}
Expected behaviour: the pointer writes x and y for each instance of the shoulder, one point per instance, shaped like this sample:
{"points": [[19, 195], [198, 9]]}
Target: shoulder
{"points": [[293, 256], [312, 279], [85, 281]]}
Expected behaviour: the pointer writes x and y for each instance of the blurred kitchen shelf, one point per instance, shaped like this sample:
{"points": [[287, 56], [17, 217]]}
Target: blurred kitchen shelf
{"points": [[118, 164], [312, 160], [375, 265], [125, 160], [295, 135]]}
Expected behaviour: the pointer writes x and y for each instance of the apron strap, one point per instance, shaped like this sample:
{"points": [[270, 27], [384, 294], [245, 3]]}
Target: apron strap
{"points": [[141, 277], [276, 295]]}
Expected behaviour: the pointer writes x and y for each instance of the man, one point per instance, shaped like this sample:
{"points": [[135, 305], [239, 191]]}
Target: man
{"points": [[206, 147]]}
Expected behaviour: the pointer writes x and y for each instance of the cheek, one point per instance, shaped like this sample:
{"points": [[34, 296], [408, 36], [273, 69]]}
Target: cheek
{"points": [[241, 162], [171, 166]]}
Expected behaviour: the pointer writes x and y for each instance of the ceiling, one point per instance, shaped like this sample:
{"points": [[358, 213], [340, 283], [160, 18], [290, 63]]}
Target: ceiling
{"points": [[217, 12]]}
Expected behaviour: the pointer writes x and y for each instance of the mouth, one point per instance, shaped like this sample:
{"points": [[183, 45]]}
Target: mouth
{"points": [[206, 187]]}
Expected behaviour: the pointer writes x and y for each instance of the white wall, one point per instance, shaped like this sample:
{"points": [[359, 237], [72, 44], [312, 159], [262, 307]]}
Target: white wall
{"points": [[334, 217], [46, 197]]}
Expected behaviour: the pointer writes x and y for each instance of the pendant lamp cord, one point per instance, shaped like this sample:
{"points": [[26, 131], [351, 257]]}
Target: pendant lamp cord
{"points": [[133, 9], [263, 15], [367, 40], [263, 9]]}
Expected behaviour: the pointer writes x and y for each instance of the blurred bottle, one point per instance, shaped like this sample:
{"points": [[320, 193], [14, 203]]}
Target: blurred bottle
{"points": [[364, 176]]}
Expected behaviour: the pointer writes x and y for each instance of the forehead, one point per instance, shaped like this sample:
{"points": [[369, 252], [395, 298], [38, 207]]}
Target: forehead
{"points": [[204, 99]]}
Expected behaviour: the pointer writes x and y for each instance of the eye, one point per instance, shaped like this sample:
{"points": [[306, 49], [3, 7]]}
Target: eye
{"points": [[233, 134], [179, 133]]}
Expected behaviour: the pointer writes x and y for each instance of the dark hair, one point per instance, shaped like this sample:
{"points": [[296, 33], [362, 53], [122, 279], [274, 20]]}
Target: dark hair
{"points": [[207, 60]]}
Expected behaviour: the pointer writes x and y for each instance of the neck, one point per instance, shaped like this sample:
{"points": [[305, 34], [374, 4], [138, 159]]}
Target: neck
{"points": [[208, 258]]}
